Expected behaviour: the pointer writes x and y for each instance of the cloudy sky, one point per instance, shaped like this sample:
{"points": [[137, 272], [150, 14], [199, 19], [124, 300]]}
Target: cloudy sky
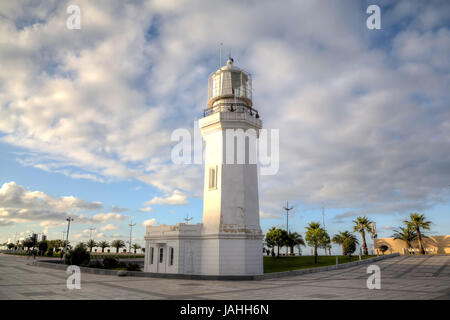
{"points": [[86, 115]]}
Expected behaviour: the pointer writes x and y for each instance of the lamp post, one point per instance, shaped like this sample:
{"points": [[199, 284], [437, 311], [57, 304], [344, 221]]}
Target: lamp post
{"points": [[131, 224], [287, 208], [90, 232], [69, 219]]}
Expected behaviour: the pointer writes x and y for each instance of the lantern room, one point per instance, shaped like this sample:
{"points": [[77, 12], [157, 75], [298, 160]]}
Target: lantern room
{"points": [[229, 82]]}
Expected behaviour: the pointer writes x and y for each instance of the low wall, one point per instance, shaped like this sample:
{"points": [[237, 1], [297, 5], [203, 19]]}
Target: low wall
{"points": [[60, 266]]}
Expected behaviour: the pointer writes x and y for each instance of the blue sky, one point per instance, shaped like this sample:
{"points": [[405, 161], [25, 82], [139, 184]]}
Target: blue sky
{"points": [[363, 114]]}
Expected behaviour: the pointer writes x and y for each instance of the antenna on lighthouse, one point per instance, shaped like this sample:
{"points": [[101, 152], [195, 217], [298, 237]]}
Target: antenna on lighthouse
{"points": [[220, 55]]}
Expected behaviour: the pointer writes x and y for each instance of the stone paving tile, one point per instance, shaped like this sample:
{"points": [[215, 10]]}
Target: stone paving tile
{"points": [[414, 277]]}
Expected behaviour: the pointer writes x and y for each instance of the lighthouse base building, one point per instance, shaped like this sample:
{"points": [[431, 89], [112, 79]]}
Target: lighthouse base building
{"points": [[229, 240]]}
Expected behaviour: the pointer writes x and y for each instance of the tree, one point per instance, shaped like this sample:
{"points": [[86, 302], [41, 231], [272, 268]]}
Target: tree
{"points": [[325, 241], [10, 245], [135, 246], [103, 245], [363, 224], [417, 223], [43, 246], [384, 248], [117, 244], [294, 239], [90, 244], [270, 241], [405, 234], [27, 243], [340, 238], [349, 245], [314, 235], [276, 237], [78, 256]]}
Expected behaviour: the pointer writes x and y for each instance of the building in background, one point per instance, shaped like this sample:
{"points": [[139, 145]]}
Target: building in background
{"points": [[431, 244]]}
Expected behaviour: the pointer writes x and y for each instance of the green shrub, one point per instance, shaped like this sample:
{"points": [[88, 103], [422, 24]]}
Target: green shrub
{"points": [[50, 252], [133, 267], [95, 264], [109, 263], [78, 256]]}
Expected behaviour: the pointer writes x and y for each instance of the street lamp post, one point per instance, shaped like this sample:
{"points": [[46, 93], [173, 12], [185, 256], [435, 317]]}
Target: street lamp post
{"points": [[69, 219], [131, 224], [287, 208], [90, 232]]}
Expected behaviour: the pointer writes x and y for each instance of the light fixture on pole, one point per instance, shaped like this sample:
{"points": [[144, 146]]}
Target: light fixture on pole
{"points": [[131, 224], [90, 232], [287, 208], [187, 219], [69, 219], [323, 217]]}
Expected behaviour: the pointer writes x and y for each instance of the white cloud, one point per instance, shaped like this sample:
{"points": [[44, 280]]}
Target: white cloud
{"points": [[109, 227], [176, 198], [264, 215], [18, 204], [146, 209], [150, 222], [104, 217]]}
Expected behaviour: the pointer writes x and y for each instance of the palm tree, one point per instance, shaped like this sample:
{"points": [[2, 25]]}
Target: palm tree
{"points": [[314, 235], [135, 247], [418, 222], [103, 245], [294, 239], [405, 234], [363, 224], [90, 244], [340, 238], [325, 242], [276, 237], [117, 244]]}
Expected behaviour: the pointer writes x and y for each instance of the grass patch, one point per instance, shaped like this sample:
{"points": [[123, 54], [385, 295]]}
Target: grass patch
{"points": [[274, 264]]}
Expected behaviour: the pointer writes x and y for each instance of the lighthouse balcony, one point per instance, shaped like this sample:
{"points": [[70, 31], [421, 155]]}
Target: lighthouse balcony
{"points": [[223, 114]]}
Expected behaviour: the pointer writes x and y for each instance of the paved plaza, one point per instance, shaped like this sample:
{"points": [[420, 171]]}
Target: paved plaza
{"points": [[413, 277]]}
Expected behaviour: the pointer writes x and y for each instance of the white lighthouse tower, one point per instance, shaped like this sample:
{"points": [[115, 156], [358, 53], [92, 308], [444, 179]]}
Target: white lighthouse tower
{"points": [[230, 127], [229, 241]]}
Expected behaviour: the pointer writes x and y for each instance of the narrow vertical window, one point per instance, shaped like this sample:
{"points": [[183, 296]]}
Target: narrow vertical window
{"points": [[152, 251], [171, 256], [161, 255], [212, 178]]}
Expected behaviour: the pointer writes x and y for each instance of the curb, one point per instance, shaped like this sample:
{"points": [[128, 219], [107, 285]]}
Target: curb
{"points": [[275, 275]]}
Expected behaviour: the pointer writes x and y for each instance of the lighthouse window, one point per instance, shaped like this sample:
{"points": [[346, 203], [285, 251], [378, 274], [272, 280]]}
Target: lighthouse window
{"points": [[152, 251], [171, 256], [212, 178], [161, 255]]}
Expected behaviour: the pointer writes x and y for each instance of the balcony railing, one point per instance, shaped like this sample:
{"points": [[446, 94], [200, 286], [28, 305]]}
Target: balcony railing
{"points": [[231, 107]]}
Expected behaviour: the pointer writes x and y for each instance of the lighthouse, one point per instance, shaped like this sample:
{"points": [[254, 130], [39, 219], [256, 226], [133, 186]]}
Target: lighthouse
{"points": [[228, 242]]}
